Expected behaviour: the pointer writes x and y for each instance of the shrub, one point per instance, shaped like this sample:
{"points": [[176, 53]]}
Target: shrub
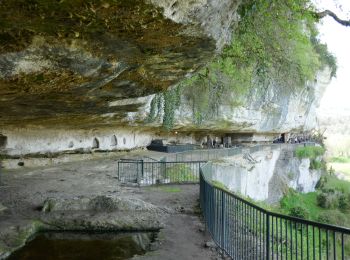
{"points": [[322, 182], [311, 152], [333, 217], [343, 202], [299, 212], [322, 200], [340, 160], [328, 199], [317, 165], [324, 218]]}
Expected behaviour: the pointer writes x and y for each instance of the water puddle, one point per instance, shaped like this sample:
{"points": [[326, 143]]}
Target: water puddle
{"points": [[71, 246]]}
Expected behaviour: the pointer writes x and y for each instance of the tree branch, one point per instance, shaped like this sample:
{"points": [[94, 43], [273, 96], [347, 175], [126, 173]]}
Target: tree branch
{"points": [[324, 13]]}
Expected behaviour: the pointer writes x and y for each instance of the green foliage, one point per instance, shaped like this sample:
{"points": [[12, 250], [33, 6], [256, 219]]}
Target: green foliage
{"points": [[299, 212], [326, 58], [170, 189], [311, 152], [207, 90], [330, 204], [167, 102], [156, 107], [328, 199], [340, 160], [275, 42], [171, 103], [181, 173], [344, 202], [332, 217], [219, 185], [337, 185], [322, 200], [317, 165]]}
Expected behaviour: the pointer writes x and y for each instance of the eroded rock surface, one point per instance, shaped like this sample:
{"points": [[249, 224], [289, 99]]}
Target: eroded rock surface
{"points": [[66, 60], [266, 175]]}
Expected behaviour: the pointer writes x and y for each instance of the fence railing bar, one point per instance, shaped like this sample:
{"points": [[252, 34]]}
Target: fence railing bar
{"points": [[240, 228]]}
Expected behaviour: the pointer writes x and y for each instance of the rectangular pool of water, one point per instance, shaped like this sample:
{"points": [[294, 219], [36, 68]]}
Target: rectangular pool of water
{"points": [[83, 246]]}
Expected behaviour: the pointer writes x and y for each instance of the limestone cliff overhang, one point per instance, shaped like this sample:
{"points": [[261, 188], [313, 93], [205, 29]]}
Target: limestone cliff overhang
{"points": [[64, 61]]}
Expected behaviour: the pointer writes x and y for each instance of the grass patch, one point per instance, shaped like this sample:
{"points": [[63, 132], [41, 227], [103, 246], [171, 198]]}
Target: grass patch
{"points": [[342, 168], [339, 160], [219, 185], [181, 173], [170, 189], [308, 202], [333, 182], [311, 152], [167, 189]]}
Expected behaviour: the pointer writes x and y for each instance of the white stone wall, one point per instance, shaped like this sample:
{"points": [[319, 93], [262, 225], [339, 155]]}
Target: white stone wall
{"points": [[249, 179], [266, 174], [31, 140]]}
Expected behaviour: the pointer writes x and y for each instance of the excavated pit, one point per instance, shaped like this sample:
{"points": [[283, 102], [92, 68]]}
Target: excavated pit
{"points": [[108, 246]]}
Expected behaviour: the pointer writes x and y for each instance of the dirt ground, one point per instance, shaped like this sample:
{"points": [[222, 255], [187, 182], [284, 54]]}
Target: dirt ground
{"points": [[183, 237]]}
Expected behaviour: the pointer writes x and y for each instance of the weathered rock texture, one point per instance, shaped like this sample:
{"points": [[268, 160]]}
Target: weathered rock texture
{"points": [[80, 75], [63, 62], [266, 175], [273, 109], [269, 113]]}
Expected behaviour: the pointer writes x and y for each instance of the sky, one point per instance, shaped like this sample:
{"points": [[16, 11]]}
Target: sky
{"points": [[337, 37]]}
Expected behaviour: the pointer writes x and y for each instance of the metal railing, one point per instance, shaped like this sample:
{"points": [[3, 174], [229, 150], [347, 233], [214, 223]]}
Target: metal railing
{"points": [[240, 228], [158, 172], [246, 231]]}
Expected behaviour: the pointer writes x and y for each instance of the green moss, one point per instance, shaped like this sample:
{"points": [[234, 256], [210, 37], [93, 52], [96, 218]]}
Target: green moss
{"points": [[171, 103], [156, 108]]}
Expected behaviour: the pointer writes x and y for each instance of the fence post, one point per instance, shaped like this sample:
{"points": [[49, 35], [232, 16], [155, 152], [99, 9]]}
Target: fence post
{"points": [[142, 169], [118, 172], [267, 236], [222, 221]]}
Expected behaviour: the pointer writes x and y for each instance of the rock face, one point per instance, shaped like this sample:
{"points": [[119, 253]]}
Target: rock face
{"points": [[63, 62], [266, 175], [275, 110], [271, 113], [81, 75]]}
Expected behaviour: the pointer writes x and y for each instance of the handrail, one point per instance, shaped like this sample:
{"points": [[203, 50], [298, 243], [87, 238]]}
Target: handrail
{"points": [[239, 227], [158, 172], [275, 214], [246, 231]]}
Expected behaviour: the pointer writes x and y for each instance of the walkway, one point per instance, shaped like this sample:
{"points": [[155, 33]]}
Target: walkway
{"points": [[26, 189]]}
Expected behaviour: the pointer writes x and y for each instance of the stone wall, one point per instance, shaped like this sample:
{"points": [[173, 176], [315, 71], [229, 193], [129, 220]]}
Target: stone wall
{"points": [[267, 174]]}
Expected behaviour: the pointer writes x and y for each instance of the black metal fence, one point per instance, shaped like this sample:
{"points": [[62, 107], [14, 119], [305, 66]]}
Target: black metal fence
{"points": [[246, 231], [239, 227], [158, 172]]}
